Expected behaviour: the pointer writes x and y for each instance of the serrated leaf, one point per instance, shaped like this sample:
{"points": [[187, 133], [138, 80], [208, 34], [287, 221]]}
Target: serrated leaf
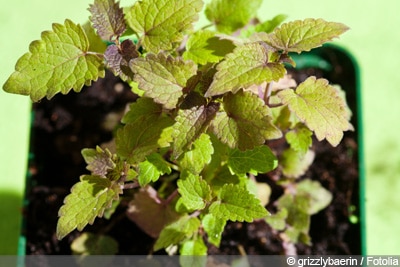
{"points": [[195, 159], [59, 62], [299, 139], [204, 47], [151, 169], [177, 231], [161, 23], [265, 27], [230, 15], [214, 228], [107, 18], [88, 199], [99, 161], [236, 203], [304, 35], [319, 106], [150, 212], [118, 57], [319, 197], [245, 122], [189, 125], [247, 65], [142, 108], [94, 244], [294, 163], [138, 139], [194, 191], [163, 77], [258, 160]]}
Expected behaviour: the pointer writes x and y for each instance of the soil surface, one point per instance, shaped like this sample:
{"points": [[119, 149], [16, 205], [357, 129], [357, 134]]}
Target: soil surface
{"points": [[66, 124]]}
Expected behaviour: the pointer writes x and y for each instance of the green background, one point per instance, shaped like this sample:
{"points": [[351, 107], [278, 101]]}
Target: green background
{"points": [[373, 40]]}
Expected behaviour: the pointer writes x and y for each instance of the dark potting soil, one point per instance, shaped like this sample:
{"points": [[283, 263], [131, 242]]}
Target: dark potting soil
{"points": [[66, 124]]}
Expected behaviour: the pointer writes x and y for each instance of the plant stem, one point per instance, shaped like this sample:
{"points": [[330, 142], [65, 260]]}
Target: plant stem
{"points": [[267, 93]]}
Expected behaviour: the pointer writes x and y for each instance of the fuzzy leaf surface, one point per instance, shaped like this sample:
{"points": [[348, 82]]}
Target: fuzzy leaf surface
{"points": [[118, 57], [107, 18], [236, 203], [88, 199], [151, 169], [319, 106], [163, 77], [204, 47], [194, 191], [245, 122], [258, 160], [161, 23], [304, 35], [195, 159], [99, 161], [247, 65], [230, 15], [57, 63]]}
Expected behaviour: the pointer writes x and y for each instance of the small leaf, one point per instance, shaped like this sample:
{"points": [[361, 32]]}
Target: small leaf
{"points": [[299, 139], [319, 197], [107, 18], [150, 212], [214, 228], [194, 191], [161, 23], [204, 47], [189, 125], [163, 77], [230, 15], [265, 27], [236, 203], [193, 248], [151, 169], [94, 244], [177, 232], [245, 122], [195, 159], [59, 62], [320, 107], [294, 163], [304, 35], [278, 220], [247, 65], [260, 159], [118, 57], [99, 161], [88, 199]]}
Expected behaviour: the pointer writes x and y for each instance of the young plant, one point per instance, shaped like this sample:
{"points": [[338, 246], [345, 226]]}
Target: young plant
{"points": [[210, 102]]}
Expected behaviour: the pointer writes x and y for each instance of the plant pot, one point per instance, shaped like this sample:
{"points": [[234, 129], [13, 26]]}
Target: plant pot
{"points": [[57, 138]]}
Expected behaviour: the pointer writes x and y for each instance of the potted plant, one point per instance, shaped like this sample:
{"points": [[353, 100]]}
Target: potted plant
{"points": [[219, 134]]}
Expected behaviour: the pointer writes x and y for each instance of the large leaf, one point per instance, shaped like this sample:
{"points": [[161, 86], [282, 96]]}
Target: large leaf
{"points": [[163, 77], [320, 107], [59, 62], [230, 15], [247, 65], [107, 18], [245, 122], [304, 35], [161, 23], [88, 199]]}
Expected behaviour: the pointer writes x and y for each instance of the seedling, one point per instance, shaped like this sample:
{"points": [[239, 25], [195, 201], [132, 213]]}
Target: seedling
{"points": [[210, 100]]}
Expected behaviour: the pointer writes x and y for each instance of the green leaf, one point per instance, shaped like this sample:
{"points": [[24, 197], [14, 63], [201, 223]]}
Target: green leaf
{"points": [[162, 23], [59, 62], [247, 65], [88, 199], [163, 77], [304, 35], [230, 15], [258, 160], [299, 139], [319, 198], [236, 203], [142, 108], [194, 191], [204, 47], [193, 248], [320, 107], [245, 122], [189, 125], [294, 163], [108, 19], [278, 220], [151, 169], [265, 27], [94, 244], [177, 231], [99, 161], [150, 212], [195, 159], [214, 228], [138, 139]]}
